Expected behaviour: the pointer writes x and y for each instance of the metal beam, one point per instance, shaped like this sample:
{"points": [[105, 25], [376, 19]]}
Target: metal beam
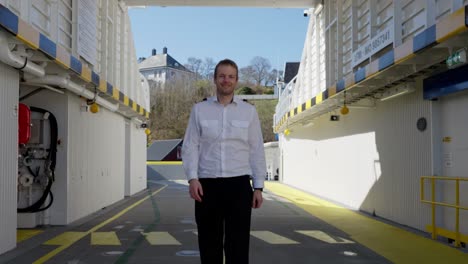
{"points": [[225, 3]]}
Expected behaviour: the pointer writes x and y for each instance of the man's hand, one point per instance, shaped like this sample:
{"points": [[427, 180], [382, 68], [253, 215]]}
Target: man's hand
{"points": [[257, 199], [196, 190]]}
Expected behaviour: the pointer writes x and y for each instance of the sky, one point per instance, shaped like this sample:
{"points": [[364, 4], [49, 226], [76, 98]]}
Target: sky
{"points": [[239, 34]]}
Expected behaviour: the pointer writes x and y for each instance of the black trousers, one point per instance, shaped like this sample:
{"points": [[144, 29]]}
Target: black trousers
{"points": [[223, 220]]}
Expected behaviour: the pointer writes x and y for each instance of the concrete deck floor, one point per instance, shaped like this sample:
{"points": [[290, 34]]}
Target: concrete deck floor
{"points": [[157, 226]]}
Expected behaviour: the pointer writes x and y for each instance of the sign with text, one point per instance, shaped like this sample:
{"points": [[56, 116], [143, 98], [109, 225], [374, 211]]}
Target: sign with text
{"points": [[87, 30], [377, 43]]}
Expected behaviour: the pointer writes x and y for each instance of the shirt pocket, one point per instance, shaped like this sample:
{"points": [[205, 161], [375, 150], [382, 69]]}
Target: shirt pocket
{"points": [[209, 129], [240, 129]]}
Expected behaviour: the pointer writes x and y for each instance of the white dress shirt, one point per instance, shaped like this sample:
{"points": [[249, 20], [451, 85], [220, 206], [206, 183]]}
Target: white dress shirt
{"points": [[224, 141]]}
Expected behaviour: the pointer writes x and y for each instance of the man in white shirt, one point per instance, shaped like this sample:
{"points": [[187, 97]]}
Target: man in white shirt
{"points": [[222, 151]]}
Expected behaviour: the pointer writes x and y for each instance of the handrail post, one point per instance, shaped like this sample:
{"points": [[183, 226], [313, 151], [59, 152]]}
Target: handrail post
{"points": [[433, 206], [457, 213], [422, 189]]}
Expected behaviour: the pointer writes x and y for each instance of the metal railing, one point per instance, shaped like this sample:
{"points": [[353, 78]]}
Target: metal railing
{"points": [[284, 100], [456, 236]]}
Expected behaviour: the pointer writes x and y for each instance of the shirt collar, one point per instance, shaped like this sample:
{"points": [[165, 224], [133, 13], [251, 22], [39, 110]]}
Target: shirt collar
{"points": [[235, 100]]}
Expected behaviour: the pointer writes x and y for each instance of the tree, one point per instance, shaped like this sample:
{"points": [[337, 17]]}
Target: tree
{"points": [[195, 66], [266, 110], [245, 90], [170, 108], [247, 75], [272, 76], [208, 68], [261, 67]]}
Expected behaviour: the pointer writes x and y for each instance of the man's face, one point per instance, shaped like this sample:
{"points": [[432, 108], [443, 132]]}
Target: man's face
{"points": [[226, 80]]}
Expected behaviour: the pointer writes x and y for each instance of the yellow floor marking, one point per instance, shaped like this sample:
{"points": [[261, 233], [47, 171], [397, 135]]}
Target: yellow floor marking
{"points": [[320, 235], [68, 244], [105, 239], [161, 238], [66, 238], [393, 243], [24, 234], [272, 238], [164, 162]]}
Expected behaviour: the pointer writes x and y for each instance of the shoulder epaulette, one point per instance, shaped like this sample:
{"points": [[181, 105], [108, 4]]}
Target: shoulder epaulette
{"points": [[247, 101]]}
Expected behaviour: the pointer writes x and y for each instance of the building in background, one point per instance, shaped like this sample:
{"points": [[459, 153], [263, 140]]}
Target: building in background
{"points": [[163, 71]]}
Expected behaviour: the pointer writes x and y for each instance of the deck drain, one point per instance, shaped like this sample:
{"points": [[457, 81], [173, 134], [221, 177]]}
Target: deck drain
{"points": [[187, 221], [188, 253], [112, 253], [350, 253]]}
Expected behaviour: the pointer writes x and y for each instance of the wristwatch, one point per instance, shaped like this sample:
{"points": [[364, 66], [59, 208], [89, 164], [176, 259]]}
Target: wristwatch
{"points": [[259, 189]]}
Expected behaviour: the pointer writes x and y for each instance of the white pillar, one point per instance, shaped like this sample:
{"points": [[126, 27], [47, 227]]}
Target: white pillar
{"points": [[9, 92]]}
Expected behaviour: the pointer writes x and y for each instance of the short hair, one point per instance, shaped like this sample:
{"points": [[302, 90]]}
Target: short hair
{"points": [[227, 62]]}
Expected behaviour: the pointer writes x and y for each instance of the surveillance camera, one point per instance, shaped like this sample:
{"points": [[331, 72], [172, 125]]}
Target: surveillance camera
{"points": [[306, 13]]}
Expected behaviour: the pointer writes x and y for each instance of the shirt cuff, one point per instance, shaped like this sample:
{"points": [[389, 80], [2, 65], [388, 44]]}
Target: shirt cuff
{"points": [[257, 184], [191, 177]]}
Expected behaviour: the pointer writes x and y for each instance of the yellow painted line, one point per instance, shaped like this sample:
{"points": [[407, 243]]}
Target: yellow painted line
{"points": [[161, 239], [318, 98], [102, 85], [332, 91], [403, 52], [105, 239], [24, 234], [28, 34], [451, 25], [308, 104], [115, 93], [272, 238], [393, 243], [447, 233], [85, 73], [349, 81], [320, 235], [164, 163], [70, 239], [63, 57], [66, 238]]}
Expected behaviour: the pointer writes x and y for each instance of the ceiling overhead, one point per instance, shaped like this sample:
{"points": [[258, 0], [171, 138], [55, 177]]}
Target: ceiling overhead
{"points": [[226, 3]]}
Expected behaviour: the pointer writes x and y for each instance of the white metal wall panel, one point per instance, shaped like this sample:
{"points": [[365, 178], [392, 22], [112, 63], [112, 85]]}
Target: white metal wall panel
{"points": [[118, 47], [331, 43], [413, 15], [384, 14], [137, 159], [126, 55], [9, 87], [454, 152], [14, 6], [321, 50], [363, 22], [443, 8], [40, 15], [65, 24], [348, 38], [371, 159], [96, 146]]}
